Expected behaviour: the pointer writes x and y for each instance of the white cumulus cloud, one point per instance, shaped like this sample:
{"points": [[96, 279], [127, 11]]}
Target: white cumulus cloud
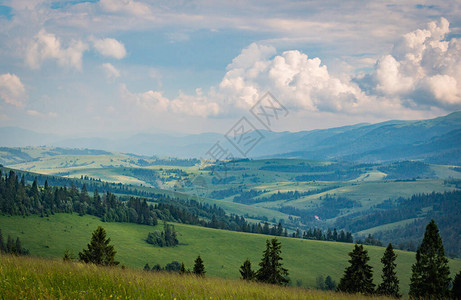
{"points": [[424, 69], [301, 82], [155, 102], [12, 90], [47, 46], [421, 74], [110, 47]]}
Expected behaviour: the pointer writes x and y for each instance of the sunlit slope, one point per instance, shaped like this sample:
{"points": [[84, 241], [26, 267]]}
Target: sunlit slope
{"points": [[222, 251]]}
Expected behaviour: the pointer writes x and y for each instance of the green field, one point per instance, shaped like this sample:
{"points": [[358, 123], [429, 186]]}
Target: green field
{"points": [[33, 278], [222, 251]]}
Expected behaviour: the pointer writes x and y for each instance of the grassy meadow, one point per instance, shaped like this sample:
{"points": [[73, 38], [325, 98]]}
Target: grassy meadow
{"points": [[222, 251], [34, 278]]}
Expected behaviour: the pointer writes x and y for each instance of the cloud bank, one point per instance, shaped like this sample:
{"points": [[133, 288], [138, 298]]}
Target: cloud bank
{"points": [[423, 70], [422, 73]]}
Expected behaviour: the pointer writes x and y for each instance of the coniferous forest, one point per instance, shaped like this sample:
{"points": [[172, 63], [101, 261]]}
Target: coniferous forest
{"points": [[19, 198]]}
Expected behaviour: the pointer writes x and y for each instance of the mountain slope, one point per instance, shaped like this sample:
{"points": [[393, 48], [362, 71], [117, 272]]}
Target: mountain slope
{"points": [[386, 141], [395, 140]]}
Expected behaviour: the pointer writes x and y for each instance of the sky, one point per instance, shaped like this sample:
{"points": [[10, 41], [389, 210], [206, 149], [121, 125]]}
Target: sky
{"points": [[94, 68]]}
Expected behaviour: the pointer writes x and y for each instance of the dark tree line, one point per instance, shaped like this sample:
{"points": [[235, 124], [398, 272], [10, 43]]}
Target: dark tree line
{"points": [[407, 170], [338, 175], [19, 198], [12, 246], [330, 207], [320, 235], [445, 209], [90, 183], [175, 266], [249, 197], [307, 168]]}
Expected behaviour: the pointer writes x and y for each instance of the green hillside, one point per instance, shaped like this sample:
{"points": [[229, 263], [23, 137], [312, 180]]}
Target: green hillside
{"points": [[222, 251], [33, 278]]}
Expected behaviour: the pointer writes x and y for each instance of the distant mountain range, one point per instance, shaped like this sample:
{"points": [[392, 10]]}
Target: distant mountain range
{"points": [[435, 140]]}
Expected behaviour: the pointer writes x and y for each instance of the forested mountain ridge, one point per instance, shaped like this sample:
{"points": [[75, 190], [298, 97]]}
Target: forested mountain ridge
{"points": [[433, 140]]}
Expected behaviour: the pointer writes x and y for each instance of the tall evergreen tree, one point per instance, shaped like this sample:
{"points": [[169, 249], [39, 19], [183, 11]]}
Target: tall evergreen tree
{"points": [[390, 284], [358, 277], [246, 271], [9, 245], [271, 270], [2, 243], [456, 290], [199, 268], [430, 277], [330, 284], [182, 270], [99, 251], [18, 247]]}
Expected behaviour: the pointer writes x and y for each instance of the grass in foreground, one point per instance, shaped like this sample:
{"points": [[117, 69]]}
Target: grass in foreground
{"points": [[35, 278], [222, 251]]}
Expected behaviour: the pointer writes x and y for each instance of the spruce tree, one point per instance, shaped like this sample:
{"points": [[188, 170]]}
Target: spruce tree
{"points": [[358, 277], [67, 256], [330, 284], [271, 270], [2, 243], [182, 270], [10, 245], [146, 267], [99, 251], [456, 290], [18, 246], [390, 284], [246, 271], [199, 268], [430, 277]]}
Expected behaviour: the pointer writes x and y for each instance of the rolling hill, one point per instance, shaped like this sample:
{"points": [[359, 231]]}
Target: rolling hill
{"points": [[222, 251]]}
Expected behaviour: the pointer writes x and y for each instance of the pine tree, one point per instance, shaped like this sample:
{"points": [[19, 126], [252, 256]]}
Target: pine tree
{"points": [[271, 270], [456, 290], [10, 245], [18, 246], [2, 243], [246, 271], [99, 251], [330, 284], [68, 256], [430, 277], [358, 277], [199, 268], [182, 270], [390, 284], [146, 267], [264, 272]]}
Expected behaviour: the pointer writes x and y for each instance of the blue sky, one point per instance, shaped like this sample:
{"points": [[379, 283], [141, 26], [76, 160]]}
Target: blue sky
{"points": [[125, 66]]}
